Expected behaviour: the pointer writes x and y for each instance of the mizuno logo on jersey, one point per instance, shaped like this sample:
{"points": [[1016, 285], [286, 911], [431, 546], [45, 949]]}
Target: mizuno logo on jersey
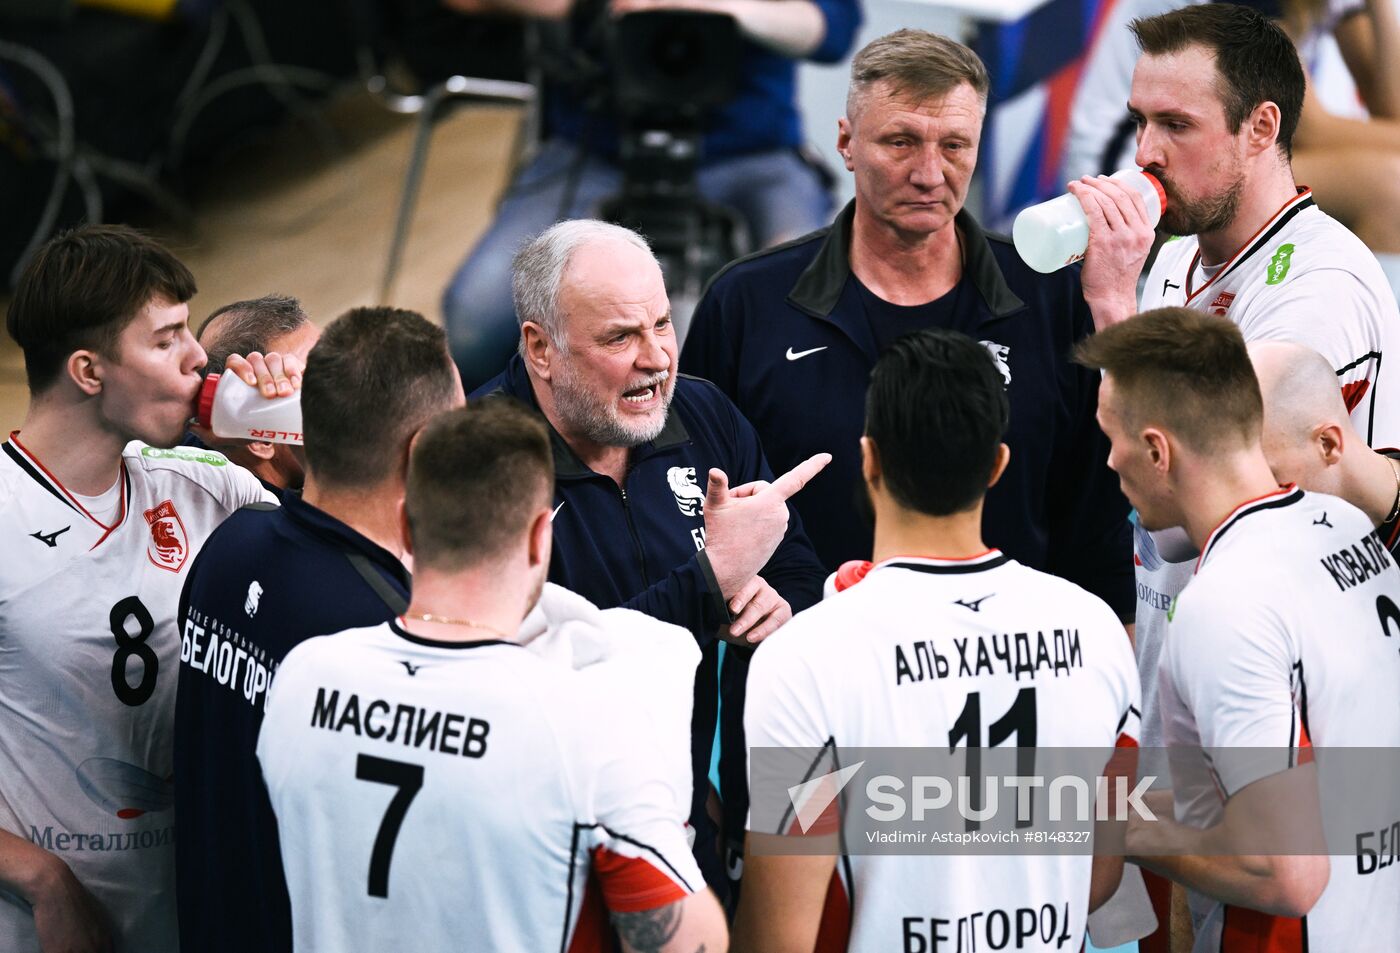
{"points": [[975, 604], [50, 539], [410, 667], [1322, 521]]}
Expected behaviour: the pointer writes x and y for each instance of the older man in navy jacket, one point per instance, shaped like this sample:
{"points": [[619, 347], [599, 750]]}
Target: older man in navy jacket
{"points": [[791, 334], [664, 501]]}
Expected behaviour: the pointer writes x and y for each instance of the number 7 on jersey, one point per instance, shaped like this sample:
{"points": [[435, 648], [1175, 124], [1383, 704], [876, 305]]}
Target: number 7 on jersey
{"points": [[408, 778]]}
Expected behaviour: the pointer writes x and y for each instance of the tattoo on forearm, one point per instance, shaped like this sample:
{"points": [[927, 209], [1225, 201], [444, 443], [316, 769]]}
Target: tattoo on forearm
{"points": [[648, 931]]}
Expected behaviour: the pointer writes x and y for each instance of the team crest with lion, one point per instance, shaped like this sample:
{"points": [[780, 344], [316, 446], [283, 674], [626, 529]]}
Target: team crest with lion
{"points": [[689, 497], [169, 545]]}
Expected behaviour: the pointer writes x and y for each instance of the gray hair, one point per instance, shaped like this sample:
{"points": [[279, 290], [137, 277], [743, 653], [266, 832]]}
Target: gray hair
{"points": [[918, 63], [246, 326], [539, 265]]}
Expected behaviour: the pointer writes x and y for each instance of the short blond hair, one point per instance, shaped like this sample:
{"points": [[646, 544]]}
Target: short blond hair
{"points": [[917, 63]]}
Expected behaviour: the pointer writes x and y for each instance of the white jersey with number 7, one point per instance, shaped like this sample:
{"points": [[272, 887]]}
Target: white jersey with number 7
{"points": [[463, 795]]}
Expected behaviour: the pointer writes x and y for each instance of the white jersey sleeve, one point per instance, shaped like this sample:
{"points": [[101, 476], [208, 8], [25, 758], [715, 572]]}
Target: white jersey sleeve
{"points": [[628, 655], [225, 481], [641, 852], [1238, 667], [779, 710]]}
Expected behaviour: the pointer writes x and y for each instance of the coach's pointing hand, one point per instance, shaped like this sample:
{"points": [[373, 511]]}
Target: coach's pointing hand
{"points": [[745, 524]]}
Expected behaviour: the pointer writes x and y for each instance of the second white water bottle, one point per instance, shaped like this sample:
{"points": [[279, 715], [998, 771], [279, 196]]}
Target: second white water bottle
{"points": [[1054, 234], [231, 407]]}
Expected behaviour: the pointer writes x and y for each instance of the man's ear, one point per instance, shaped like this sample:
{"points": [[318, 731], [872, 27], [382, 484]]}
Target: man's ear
{"points": [[539, 349], [85, 369], [999, 467], [844, 131], [869, 461], [1329, 442], [1158, 449], [541, 538], [1262, 127]]}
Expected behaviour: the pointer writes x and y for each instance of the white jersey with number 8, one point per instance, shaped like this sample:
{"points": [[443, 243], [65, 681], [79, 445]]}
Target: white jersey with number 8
{"points": [[89, 652]]}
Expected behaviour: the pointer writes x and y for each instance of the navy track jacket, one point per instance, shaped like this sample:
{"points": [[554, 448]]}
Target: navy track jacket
{"points": [[641, 545], [785, 335]]}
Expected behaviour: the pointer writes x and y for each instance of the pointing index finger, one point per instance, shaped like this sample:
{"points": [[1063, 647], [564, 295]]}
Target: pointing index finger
{"points": [[798, 477]]}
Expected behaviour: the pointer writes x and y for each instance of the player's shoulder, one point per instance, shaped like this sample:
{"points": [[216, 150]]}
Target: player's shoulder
{"points": [[196, 472], [1055, 592], [192, 463], [1271, 536], [1037, 599], [1332, 238], [1315, 241], [338, 663], [335, 651], [834, 614], [640, 634], [1265, 557], [566, 626]]}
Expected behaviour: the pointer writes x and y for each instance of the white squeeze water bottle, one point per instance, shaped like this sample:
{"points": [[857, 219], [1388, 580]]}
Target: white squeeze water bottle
{"points": [[231, 407], [1054, 234]]}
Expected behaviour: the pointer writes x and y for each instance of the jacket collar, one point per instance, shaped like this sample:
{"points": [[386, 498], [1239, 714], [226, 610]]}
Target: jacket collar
{"points": [[820, 285], [515, 382]]}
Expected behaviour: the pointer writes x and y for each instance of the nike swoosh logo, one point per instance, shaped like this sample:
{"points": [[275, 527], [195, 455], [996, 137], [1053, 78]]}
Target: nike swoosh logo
{"points": [[798, 355], [556, 511]]}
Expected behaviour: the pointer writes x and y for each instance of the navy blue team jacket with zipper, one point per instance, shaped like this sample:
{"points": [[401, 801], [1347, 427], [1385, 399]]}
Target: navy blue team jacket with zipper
{"points": [[639, 546], [785, 335]]}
